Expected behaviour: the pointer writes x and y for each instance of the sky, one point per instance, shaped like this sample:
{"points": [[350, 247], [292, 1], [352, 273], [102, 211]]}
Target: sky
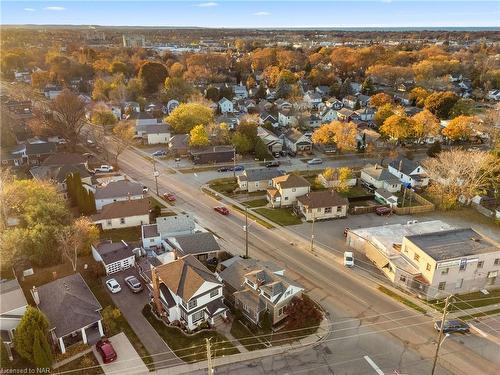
{"points": [[255, 13]]}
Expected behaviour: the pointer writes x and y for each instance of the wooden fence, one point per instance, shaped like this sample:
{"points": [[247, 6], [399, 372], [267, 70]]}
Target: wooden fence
{"points": [[423, 206]]}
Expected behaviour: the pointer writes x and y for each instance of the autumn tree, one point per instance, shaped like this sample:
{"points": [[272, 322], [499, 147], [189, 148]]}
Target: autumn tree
{"points": [[459, 174], [40, 79], [343, 134], [176, 88], [397, 127], [425, 124], [380, 99], [187, 115], [418, 96], [441, 103], [152, 75], [198, 136], [383, 113], [302, 313], [101, 115], [460, 128], [219, 133], [124, 134], [241, 143]]}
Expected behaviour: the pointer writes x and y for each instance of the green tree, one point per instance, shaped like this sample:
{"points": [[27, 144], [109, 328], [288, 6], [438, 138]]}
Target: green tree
{"points": [[103, 116], [176, 88], [261, 150], [212, 94], [152, 75], [42, 355], [242, 144], [463, 107], [33, 323], [441, 103], [187, 115], [198, 136]]}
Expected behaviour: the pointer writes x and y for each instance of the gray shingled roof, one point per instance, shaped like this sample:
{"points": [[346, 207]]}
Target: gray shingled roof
{"points": [[153, 129], [69, 304], [120, 188], [175, 224], [12, 296], [112, 252], [197, 243], [404, 165], [261, 174]]}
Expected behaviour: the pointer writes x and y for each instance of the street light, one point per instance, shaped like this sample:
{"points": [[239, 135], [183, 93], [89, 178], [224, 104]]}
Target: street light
{"points": [[245, 228]]}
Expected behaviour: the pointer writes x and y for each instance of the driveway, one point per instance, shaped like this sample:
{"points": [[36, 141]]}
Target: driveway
{"points": [[131, 305], [127, 361]]}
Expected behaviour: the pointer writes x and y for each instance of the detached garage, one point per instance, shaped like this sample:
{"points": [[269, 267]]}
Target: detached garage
{"points": [[115, 256]]}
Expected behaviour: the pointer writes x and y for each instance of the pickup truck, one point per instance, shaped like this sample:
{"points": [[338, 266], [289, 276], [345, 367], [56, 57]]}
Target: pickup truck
{"points": [[104, 168]]}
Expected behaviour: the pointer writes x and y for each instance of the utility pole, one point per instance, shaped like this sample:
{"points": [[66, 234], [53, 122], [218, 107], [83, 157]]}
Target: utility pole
{"points": [[312, 233], [234, 162], [246, 232], [440, 337], [209, 358], [155, 174]]}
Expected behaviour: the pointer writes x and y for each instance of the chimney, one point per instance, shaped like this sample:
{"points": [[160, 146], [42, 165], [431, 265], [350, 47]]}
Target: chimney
{"points": [[400, 164], [36, 297]]}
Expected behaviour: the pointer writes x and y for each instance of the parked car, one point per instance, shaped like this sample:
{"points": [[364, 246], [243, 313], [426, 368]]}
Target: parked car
{"points": [[223, 169], [222, 210], [177, 160], [238, 168], [383, 211], [272, 164], [90, 143], [134, 284], [169, 197], [113, 286], [104, 168], [455, 325], [348, 259], [106, 350], [145, 189], [315, 161], [160, 153]]}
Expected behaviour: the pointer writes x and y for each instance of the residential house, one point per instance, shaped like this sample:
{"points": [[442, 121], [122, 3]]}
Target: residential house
{"points": [[272, 141], [12, 309], [386, 197], [58, 174], [123, 214], [115, 256], [494, 95], [52, 91], [313, 121], [334, 103], [267, 117], [231, 119], [186, 291], [72, 310], [297, 142], [312, 100], [155, 235], [285, 190], [154, 134], [328, 115], [178, 145], [283, 105], [33, 153], [346, 115], [323, 90], [321, 205], [403, 98], [142, 119], [286, 117], [380, 178], [240, 92], [254, 287], [202, 245], [213, 154], [363, 100], [117, 191], [132, 107], [350, 101], [257, 179], [366, 113], [226, 106], [409, 172]]}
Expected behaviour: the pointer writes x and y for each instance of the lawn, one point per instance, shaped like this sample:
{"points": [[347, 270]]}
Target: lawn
{"points": [[86, 365], [403, 300], [469, 301], [131, 234], [315, 185], [224, 185], [202, 168], [355, 191], [281, 216], [190, 348], [256, 203], [254, 218], [480, 314], [244, 336]]}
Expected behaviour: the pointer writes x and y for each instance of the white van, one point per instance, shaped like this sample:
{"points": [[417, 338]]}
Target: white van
{"points": [[348, 259]]}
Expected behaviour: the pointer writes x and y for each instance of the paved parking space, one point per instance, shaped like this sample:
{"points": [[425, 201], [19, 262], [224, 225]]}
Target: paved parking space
{"points": [[131, 305], [127, 360]]}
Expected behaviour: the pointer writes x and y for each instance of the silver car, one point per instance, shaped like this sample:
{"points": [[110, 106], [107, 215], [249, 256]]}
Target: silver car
{"points": [[134, 284], [113, 286]]}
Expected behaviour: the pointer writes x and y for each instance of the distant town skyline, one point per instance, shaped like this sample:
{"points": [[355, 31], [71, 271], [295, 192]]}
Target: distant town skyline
{"points": [[256, 14]]}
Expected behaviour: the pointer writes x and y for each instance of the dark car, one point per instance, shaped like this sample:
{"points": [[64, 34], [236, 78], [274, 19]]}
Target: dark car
{"points": [[455, 325], [169, 197], [222, 210], [238, 168], [223, 169], [160, 153], [273, 164], [106, 350], [133, 284], [383, 211]]}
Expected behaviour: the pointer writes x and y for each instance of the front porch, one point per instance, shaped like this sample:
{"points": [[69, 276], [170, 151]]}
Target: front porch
{"points": [[88, 335]]}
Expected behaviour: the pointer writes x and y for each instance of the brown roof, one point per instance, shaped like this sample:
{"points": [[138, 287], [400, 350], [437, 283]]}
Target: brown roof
{"points": [[291, 181], [185, 276], [325, 198], [126, 208], [273, 192], [65, 158]]}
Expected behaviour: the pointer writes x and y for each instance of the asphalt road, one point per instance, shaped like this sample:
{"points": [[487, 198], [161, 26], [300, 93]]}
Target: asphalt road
{"points": [[364, 321]]}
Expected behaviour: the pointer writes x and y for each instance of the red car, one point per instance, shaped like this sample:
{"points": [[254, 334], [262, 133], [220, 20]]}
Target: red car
{"points": [[169, 197], [106, 350], [222, 210], [383, 211]]}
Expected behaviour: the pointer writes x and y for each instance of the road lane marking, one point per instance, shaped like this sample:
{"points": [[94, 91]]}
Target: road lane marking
{"points": [[374, 365]]}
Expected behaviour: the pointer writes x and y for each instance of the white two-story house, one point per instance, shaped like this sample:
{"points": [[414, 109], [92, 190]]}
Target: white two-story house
{"points": [[409, 172], [226, 106], [116, 191], [285, 190]]}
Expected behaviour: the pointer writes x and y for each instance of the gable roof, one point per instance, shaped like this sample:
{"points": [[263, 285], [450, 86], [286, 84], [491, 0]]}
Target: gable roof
{"points": [[178, 141], [236, 270], [324, 198], [174, 224], [153, 129], [58, 173], [185, 276], [294, 135], [196, 243], [261, 174], [132, 207], [404, 165], [224, 100], [69, 304], [40, 148], [12, 296], [291, 181], [380, 173], [64, 158], [121, 188], [112, 252]]}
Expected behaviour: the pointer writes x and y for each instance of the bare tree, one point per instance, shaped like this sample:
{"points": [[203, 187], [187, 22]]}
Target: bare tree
{"points": [[124, 133], [459, 175]]}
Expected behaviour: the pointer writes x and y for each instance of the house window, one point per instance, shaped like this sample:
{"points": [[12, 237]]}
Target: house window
{"points": [[416, 257], [293, 189], [214, 293], [428, 267], [281, 311], [480, 264], [339, 209], [108, 222], [496, 262], [402, 278], [445, 271], [463, 266], [122, 220], [442, 285], [192, 304], [459, 283], [328, 210], [286, 198], [197, 316]]}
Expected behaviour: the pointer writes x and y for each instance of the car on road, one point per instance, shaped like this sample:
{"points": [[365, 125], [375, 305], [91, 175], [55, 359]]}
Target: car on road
{"points": [[348, 259], [169, 197], [450, 326], [113, 286], [134, 284], [222, 210], [383, 211], [177, 160], [223, 169], [104, 168], [315, 161], [159, 153], [238, 168], [106, 350], [272, 164], [90, 143], [145, 189]]}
